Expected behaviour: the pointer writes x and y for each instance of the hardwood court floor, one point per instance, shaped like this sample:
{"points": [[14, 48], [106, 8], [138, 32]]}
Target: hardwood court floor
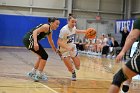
{"points": [[94, 76]]}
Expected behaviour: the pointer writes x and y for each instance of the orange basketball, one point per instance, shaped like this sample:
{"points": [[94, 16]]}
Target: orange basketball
{"points": [[90, 33]]}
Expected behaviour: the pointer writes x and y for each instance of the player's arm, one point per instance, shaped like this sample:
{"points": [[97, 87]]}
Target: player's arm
{"points": [[80, 31], [62, 40], [36, 32], [50, 40], [131, 38], [133, 35], [62, 44]]}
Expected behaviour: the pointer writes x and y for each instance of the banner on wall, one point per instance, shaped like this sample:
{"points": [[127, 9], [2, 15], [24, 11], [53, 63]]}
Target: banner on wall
{"points": [[120, 24]]}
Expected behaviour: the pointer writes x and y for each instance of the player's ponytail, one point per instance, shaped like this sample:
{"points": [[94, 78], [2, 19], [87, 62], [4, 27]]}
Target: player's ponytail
{"points": [[70, 16]]}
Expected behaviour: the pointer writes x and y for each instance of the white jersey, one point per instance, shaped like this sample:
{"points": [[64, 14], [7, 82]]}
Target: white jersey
{"points": [[68, 37], [67, 34]]}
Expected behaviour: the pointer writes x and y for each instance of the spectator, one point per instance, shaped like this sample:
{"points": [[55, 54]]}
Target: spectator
{"points": [[124, 34]]}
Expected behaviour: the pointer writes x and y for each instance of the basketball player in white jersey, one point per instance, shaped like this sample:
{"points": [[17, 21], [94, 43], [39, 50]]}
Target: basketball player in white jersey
{"points": [[67, 46]]}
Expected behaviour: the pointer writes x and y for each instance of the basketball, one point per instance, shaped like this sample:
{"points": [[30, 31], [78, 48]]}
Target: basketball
{"points": [[90, 33]]}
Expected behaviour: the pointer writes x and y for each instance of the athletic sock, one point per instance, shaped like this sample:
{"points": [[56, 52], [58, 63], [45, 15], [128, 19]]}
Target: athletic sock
{"points": [[34, 70], [39, 73]]}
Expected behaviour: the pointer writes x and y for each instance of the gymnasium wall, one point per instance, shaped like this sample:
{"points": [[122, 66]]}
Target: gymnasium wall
{"points": [[14, 27], [135, 8], [107, 9], [33, 7], [84, 10]]}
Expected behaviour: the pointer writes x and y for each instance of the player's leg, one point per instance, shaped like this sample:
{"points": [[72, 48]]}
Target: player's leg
{"points": [[27, 43], [122, 75], [133, 64], [34, 69], [39, 73], [74, 56], [69, 66], [43, 56], [36, 65], [76, 62]]}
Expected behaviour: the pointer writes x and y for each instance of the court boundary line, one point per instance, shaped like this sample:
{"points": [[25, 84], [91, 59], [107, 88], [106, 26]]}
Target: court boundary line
{"points": [[48, 88]]}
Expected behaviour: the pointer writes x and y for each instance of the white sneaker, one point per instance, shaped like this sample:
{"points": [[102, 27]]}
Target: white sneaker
{"points": [[113, 56], [108, 56], [30, 74], [36, 78], [40, 77], [98, 54], [44, 77]]}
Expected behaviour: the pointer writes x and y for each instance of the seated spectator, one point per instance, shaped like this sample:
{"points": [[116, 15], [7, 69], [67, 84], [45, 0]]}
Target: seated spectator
{"points": [[105, 47], [89, 46], [80, 45], [115, 47], [114, 42], [99, 42], [109, 42]]}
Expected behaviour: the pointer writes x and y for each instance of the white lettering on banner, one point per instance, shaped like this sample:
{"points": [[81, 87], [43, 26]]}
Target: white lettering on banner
{"points": [[120, 24], [128, 25]]}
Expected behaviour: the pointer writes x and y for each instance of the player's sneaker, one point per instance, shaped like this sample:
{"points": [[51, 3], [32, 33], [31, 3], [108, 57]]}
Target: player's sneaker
{"points": [[36, 78], [73, 76], [30, 74], [40, 77], [109, 56], [113, 56], [44, 77]]}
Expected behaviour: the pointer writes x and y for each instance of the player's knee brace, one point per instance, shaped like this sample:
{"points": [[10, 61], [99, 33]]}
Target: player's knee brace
{"points": [[125, 88], [119, 78], [44, 56]]}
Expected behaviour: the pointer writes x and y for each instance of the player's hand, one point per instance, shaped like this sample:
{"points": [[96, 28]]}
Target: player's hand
{"points": [[119, 57], [36, 46], [58, 52]]}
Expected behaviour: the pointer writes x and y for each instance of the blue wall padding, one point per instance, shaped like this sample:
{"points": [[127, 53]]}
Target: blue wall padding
{"points": [[14, 27]]}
